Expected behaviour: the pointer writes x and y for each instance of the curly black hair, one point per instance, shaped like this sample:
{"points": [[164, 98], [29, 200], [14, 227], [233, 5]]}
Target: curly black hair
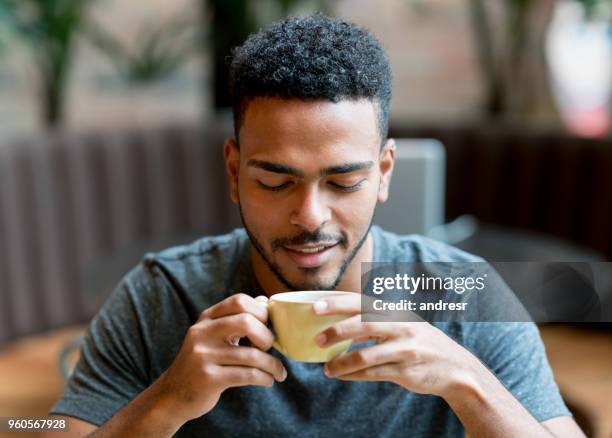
{"points": [[313, 57]]}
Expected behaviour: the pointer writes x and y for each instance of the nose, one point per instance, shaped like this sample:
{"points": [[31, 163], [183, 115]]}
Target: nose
{"points": [[311, 211]]}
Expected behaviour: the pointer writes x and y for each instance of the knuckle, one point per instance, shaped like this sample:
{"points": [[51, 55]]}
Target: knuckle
{"points": [[204, 314], [251, 355], [245, 320], [193, 334], [251, 374], [241, 301], [369, 327], [406, 329], [415, 355], [194, 330], [407, 351], [208, 372], [200, 350]]}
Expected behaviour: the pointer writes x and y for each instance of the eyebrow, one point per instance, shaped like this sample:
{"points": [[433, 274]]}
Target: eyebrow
{"points": [[332, 170]]}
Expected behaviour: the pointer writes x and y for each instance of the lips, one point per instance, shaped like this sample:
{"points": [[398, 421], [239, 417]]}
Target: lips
{"points": [[311, 255]]}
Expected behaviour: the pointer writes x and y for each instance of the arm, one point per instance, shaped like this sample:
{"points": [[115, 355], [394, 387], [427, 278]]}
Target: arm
{"points": [[147, 415], [486, 408], [563, 426], [423, 359], [209, 362]]}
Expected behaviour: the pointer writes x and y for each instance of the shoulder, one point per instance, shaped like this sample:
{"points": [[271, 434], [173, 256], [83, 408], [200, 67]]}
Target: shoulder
{"points": [[515, 353], [417, 248], [202, 271], [210, 251]]}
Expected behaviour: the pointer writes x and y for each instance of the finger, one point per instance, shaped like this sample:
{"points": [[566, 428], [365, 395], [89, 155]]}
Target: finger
{"points": [[251, 357], [380, 373], [345, 304], [238, 303], [364, 358], [243, 324], [354, 328], [233, 376]]}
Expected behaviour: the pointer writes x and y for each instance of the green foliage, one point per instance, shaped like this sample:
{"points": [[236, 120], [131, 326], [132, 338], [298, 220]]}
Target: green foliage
{"points": [[158, 52], [49, 27], [589, 6]]}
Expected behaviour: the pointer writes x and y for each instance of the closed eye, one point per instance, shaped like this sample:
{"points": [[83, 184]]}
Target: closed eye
{"points": [[352, 188], [274, 188]]}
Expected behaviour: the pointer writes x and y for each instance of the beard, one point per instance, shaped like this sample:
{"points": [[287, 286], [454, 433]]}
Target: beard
{"points": [[303, 238]]}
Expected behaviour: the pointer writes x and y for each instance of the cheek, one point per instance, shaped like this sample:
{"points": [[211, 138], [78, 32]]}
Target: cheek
{"points": [[355, 212], [259, 212]]}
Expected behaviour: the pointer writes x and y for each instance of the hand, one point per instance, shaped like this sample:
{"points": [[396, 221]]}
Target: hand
{"points": [[210, 359], [415, 355]]}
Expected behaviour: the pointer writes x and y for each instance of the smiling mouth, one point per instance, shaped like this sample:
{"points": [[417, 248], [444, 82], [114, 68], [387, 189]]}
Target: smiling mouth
{"points": [[311, 255], [311, 249]]}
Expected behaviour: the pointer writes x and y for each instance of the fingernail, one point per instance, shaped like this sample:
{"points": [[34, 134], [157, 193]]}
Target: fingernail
{"points": [[283, 375], [320, 306], [325, 370], [321, 339]]}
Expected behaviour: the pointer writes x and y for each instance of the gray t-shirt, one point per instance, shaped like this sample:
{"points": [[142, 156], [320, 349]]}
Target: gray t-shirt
{"points": [[141, 327]]}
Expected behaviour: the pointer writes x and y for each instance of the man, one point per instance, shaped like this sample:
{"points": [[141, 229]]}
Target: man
{"points": [[183, 345]]}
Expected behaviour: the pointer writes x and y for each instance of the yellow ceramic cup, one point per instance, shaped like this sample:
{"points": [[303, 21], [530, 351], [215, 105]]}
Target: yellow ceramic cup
{"points": [[296, 325]]}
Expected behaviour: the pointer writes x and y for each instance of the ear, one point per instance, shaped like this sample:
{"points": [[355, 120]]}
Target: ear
{"points": [[232, 166], [387, 159]]}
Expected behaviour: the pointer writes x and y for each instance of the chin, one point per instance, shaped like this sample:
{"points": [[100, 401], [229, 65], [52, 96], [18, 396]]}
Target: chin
{"points": [[312, 281], [313, 287]]}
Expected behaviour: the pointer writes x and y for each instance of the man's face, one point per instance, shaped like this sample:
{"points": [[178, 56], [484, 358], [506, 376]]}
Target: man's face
{"points": [[307, 178]]}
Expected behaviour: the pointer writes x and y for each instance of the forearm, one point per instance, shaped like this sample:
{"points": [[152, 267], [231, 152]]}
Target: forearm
{"points": [[147, 415], [487, 409]]}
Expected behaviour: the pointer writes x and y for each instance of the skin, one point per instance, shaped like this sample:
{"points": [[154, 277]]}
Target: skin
{"points": [[299, 136], [300, 146]]}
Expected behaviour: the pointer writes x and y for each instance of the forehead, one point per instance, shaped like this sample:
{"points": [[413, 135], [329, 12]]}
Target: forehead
{"points": [[309, 131]]}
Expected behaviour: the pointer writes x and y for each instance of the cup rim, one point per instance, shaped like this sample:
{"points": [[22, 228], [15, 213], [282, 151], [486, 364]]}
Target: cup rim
{"points": [[292, 297]]}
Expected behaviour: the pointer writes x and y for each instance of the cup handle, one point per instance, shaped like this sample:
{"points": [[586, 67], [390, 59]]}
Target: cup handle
{"points": [[275, 344]]}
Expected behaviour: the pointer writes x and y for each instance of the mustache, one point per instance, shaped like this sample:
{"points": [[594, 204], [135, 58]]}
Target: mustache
{"points": [[310, 237]]}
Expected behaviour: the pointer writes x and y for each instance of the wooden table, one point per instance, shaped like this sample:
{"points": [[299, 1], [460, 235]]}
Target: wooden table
{"points": [[30, 378], [582, 362]]}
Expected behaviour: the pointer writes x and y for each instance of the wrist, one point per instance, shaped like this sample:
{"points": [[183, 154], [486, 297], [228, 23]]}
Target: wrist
{"points": [[149, 414], [164, 411], [486, 407], [467, 384]]}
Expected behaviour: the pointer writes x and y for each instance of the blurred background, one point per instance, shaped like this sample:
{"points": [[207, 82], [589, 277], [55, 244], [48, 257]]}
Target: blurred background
{"points": [[113, 114]]}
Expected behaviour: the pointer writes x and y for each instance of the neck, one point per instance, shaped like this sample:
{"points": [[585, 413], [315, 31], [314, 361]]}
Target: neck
{"points": [[351, 280]]}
